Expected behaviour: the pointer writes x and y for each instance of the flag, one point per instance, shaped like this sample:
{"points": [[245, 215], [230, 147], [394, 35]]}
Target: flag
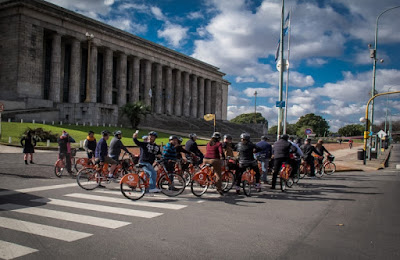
{"points": [[285, 31], [150, 93], [209, 117], [277, 50]]}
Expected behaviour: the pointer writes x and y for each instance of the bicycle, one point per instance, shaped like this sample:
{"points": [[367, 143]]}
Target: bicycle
{"points": [[328, 165], [304, 169], [60, 165], [186, 169], [284, 175], [248, 181], [134, 185], [203, 179]]}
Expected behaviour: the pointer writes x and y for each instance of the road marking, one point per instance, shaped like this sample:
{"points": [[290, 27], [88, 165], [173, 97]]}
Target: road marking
{"points": [[153, 196], [10, 250], [42, 230], [100, 208], [83, 219], [127, 202], [41, 188]]}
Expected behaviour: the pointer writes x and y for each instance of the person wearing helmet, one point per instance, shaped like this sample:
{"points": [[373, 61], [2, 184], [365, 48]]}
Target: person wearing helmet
{"points": [[246, 150], [116, 146], [228, 145], [213, 156], [321, 149], [264, 156], [64, 144], [308, 151], [179, 149], [282, 149], [101, 153], [191, 146], [169, 153], [90, 144], [148, 152]]}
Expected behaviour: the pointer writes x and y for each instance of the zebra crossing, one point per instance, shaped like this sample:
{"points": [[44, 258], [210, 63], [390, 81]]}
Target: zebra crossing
{"points": [[15, 217]]}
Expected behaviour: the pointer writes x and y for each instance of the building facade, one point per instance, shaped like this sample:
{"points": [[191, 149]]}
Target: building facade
{"points": [[51, 57]]}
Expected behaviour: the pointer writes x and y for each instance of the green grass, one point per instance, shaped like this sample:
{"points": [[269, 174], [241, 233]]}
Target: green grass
{"points": [[79, 133]]}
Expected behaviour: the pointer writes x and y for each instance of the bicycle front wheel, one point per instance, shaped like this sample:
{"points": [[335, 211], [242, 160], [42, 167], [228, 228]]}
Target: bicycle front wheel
{"points": [[319, 173], [58, 171], [135, 192], [302, 171], [198, 187], [283, 184], [330, 168], [187, 177], [88, 179], [172, 185], [227, 181], [246, 188]]}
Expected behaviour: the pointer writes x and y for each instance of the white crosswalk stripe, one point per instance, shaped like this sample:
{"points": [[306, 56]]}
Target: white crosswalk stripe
{"points": [[34, 189], [42, 230], [78, 218], [127, 202], [100, 208], [10, 250]]}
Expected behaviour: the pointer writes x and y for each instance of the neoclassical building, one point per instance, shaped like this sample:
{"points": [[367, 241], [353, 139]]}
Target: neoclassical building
{"points": [[85, 70]]}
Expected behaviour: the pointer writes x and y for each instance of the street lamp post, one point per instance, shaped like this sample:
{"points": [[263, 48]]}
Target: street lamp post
{"points": [[255, 107], [387, 106], [89, 37]]}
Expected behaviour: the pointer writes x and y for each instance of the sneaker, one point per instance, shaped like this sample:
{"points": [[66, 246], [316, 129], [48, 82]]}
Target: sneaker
{"points": [[173, 188], [155, 190], [101, 186], [31, 162], [112, 179], [237, 189], [26, 162], [258, 187]]}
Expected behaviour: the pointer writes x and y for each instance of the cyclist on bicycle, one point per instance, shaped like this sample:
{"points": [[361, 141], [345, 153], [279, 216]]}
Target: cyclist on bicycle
{"points": [[116, 146], [264, 156], [101, 154], [246, 151], [64, 144], [191, 146], [308, 150], [145, 138], [169, 153], [90, 144], [228, 147], [148, 152], [281, 150], [295, 162], [213, 156], [321, 149], [179, 149]]}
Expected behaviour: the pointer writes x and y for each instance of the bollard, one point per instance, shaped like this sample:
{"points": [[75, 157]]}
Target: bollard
{"points": [[115, 125], [52, 122], [9, 140], [9, 120], [76, 123], [44, 122], [22, 120], [81, 144], [33, 121], [121, 125], [104, 124], [109, 125], [60, 122], [92, 124], [97, 124], [48, 142], [84, 124]]}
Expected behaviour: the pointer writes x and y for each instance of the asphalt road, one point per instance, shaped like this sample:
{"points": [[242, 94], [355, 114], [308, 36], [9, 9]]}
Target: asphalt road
{"points": [[349, 215]]}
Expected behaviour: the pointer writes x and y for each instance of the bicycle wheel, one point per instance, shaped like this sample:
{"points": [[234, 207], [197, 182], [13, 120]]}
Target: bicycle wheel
{"points": [[58, 171], [172, 185], [187, 177], [302, 171], [330, 168], [198, 187], [88, 179], [290, 182], [133, 192], [319, 173], [246, 188], [227, 181], [296, 177], [283, 184]]}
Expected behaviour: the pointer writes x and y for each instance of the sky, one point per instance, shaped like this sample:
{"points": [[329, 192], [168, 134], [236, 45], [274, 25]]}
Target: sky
{"points": [[330, 72]]}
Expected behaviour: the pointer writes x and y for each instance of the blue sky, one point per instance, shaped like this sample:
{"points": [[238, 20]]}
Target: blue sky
{"points": [[330, 68]]}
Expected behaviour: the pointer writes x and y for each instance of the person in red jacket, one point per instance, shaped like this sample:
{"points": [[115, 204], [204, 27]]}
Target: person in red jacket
{"points": [[213, 156]]}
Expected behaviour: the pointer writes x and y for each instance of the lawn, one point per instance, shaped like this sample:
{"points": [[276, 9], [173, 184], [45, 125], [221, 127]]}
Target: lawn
{"points": [[79, 133]]}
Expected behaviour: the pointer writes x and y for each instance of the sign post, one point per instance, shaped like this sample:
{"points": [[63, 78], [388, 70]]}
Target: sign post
{"points": [[1, 110]]}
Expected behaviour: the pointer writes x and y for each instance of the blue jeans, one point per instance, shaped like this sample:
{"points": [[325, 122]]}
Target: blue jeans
{"points": [[149, 170], [264, 166]]}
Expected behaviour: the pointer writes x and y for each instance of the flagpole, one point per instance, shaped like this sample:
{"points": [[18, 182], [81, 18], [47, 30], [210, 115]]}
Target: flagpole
{"points": [[280, 115], [287, 73]]}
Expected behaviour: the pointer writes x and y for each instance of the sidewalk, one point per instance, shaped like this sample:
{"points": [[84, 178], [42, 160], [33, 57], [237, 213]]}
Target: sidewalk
{"points": [[13, 149]]}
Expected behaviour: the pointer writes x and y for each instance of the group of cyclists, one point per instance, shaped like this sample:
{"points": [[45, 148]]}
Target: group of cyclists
{"points": [[219, 150]]}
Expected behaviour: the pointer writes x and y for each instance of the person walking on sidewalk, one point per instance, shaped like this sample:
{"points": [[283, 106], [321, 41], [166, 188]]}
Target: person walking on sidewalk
{"points": [[28, 142]]}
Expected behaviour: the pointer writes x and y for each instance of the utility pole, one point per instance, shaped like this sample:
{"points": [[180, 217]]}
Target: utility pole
{"points": [[281, 60], [255, 107]]}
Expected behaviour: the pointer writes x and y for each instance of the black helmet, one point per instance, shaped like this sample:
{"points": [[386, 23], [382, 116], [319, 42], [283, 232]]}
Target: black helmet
{"points": [[105, 132], [227, 136], [172, 137], [180, 139], [118, 132], [192, 135], [153, 133], [285, 137], [264, 137], [216, 135], [90, 132], [245, 136]]}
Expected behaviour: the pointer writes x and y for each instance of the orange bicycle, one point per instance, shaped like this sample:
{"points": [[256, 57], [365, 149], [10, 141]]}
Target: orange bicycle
{"points": [[248, 181], [60, 165], [186, 169], [206, 177], [284, 174], [133, 185]]}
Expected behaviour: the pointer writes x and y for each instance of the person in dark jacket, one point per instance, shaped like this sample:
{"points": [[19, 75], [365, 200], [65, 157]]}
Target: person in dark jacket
{"points": [[180, 149], [90, 144], [246, 150], [192, 147], [264, 156], [281, 150], [169, 153], [28, 142], [64, 144], [116, 146], [308, 150], [101, 153], [148, 152]]}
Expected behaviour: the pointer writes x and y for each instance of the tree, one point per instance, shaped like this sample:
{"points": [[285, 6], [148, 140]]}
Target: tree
{"points": [[248, 118], [134, 112], [290, 129], [351, 130], [318, 125]]}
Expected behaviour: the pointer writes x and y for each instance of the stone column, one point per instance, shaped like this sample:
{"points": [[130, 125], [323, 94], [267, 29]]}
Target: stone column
{"points": [[186, 94], [178, 93], [207, 96], [129, 87], [159, 89], [224, 101], [213, 96], [200, 113], [218, 101], [136, 79], [107, 77], [75, 73], [147, 83], [55, 76], [93, 75], [121, 79], [194, 103], [169, 92]]}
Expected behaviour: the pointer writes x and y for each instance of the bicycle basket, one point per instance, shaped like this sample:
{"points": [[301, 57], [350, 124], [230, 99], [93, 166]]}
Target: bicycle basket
{"points": [[73, 152], [285, 172], [331, 158]]}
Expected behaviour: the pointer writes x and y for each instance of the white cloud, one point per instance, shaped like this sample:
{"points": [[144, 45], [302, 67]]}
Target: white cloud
{"points": [[261, 92], [173, 33], [195, 15], [316, 62], [127, 25], [158, 14]]}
